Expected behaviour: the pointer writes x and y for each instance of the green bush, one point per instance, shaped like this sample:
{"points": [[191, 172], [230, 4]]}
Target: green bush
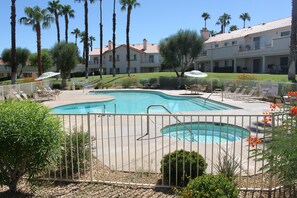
{"points": [[210, 186], [30, 139], [129, 81], [180, 166], [78, 86], [99, 85], [57, 86], [76, 152]]}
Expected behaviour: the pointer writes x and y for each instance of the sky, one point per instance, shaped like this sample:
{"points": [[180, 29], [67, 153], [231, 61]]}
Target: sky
{"points": [[153, 20]]}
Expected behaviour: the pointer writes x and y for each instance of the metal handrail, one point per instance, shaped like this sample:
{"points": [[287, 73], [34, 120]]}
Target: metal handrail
{"points": [[157, 105], [211, 95]]}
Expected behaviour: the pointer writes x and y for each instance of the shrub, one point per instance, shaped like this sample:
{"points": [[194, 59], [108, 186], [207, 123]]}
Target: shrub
{"points": [[181, 166], [210, 186], [99, 85], [57, 86], [30, 140], [75, 151], [129, 81], [78, 86]]}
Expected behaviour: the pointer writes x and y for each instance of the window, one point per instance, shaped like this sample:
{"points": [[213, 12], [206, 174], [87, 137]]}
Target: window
{"points": [[226, 44], [151, 58], [286, 33], [216, 45], [135, 57], [118, 57], [110, 57], [234, 42], [96, 60]]}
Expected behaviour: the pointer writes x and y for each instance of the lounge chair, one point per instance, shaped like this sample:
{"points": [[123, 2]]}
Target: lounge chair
{"points": [[259, 98], [237, 90], [240, 93], [249, 94], [17, 96], [227, 91]]}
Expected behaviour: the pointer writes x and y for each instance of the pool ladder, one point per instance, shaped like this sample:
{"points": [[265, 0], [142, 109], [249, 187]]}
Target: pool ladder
{"points": [[211, 95], [148, 124], [115, 108]]}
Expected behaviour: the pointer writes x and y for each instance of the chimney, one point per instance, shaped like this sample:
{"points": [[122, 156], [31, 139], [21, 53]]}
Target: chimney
{"points": [[205, 34], [144, 44], [109, 45]]}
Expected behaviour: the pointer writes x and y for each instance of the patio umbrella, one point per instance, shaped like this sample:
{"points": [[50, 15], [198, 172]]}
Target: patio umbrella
{"points": [[196, 74], [47, 75]]}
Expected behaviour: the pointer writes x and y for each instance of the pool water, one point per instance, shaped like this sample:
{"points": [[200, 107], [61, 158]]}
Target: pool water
{"points": [[137, 102], [205, 132]]}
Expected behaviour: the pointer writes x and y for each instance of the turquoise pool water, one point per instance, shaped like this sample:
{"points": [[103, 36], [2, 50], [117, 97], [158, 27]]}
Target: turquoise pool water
{"points": [[205, 132], [137, 102]]}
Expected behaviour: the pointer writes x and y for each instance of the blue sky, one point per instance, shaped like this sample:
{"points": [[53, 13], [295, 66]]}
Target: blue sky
{"points": [[153, 20]]}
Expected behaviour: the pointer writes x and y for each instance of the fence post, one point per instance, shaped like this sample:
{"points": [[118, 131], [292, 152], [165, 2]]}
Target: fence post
{"points": [[272, 135], [90, 146]]}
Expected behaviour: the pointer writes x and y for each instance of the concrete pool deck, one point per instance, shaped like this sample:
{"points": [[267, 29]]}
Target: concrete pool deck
{"points": [[117, 137]]}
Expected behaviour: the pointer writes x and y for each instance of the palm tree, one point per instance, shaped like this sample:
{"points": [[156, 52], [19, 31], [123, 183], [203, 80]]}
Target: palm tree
{"points": [[233, 27], [82, 36], [245, 16], [14, 65], [76, 32], [205, 16], [91, 39], [224, 20], [293, 43], [129, 5], [55, 8], [86, 36], [39, 19], [113, 38], [68, 13], [101, 40]]}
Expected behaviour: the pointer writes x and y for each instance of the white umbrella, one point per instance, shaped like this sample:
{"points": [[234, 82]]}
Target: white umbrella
{"points": [[47, 75], [196, 74]]}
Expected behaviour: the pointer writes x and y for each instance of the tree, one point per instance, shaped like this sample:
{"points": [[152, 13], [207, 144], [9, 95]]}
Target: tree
{"points": [[86, 37], [113, 38], [66, 56], [233, 27], [46, 60], [293, 43], [224, 20], [180, 50], [30, 141], [22, 55], [128, 5], [205, 17], [82, 36], [245, 16], [38, 18], [76, 32], [68, 13], [101, 41], [14, 65], [91, 39], [55, 8]]}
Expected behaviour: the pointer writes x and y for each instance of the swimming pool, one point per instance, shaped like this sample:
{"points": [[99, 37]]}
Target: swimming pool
{"points": [[205, 132], [137, 102]]}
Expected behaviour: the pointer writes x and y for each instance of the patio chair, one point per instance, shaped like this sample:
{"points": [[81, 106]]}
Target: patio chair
{"points": [[237, 90], [227, 91], [240, 93], [249, 94], [17, 96], [259, 98]]}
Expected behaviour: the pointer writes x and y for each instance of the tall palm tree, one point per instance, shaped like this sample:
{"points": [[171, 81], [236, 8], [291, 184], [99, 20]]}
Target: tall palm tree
{"points": [[101, 40], [91, 39], [113, 38], [86, 35], [39, 19], [55, 8], [224, 20], [129, 5], [293, 43], [14, 65], [205, 17], [68, 13], [82, 36], [76, 32], [245, 16]]}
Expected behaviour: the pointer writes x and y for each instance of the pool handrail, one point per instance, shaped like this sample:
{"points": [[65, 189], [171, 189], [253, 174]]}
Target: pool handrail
{"points": [[158, 105]]}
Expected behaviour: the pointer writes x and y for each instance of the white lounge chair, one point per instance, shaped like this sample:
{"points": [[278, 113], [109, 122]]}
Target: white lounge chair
{"points": [[249, 94], [259, 98]]}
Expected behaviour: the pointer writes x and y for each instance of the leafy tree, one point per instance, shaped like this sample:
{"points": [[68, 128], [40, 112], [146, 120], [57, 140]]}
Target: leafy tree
{"points": [[86, 36], [46, 60], [55, 8], [14, 65], [245, 16], [224, 20], [233, 27], [66, 56], [22, 55], [68, 12], [113, 38], [76, 32], [128, 5], [30, 140], [180, 50], [293, 43], [38, 18], [205, 17]]}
